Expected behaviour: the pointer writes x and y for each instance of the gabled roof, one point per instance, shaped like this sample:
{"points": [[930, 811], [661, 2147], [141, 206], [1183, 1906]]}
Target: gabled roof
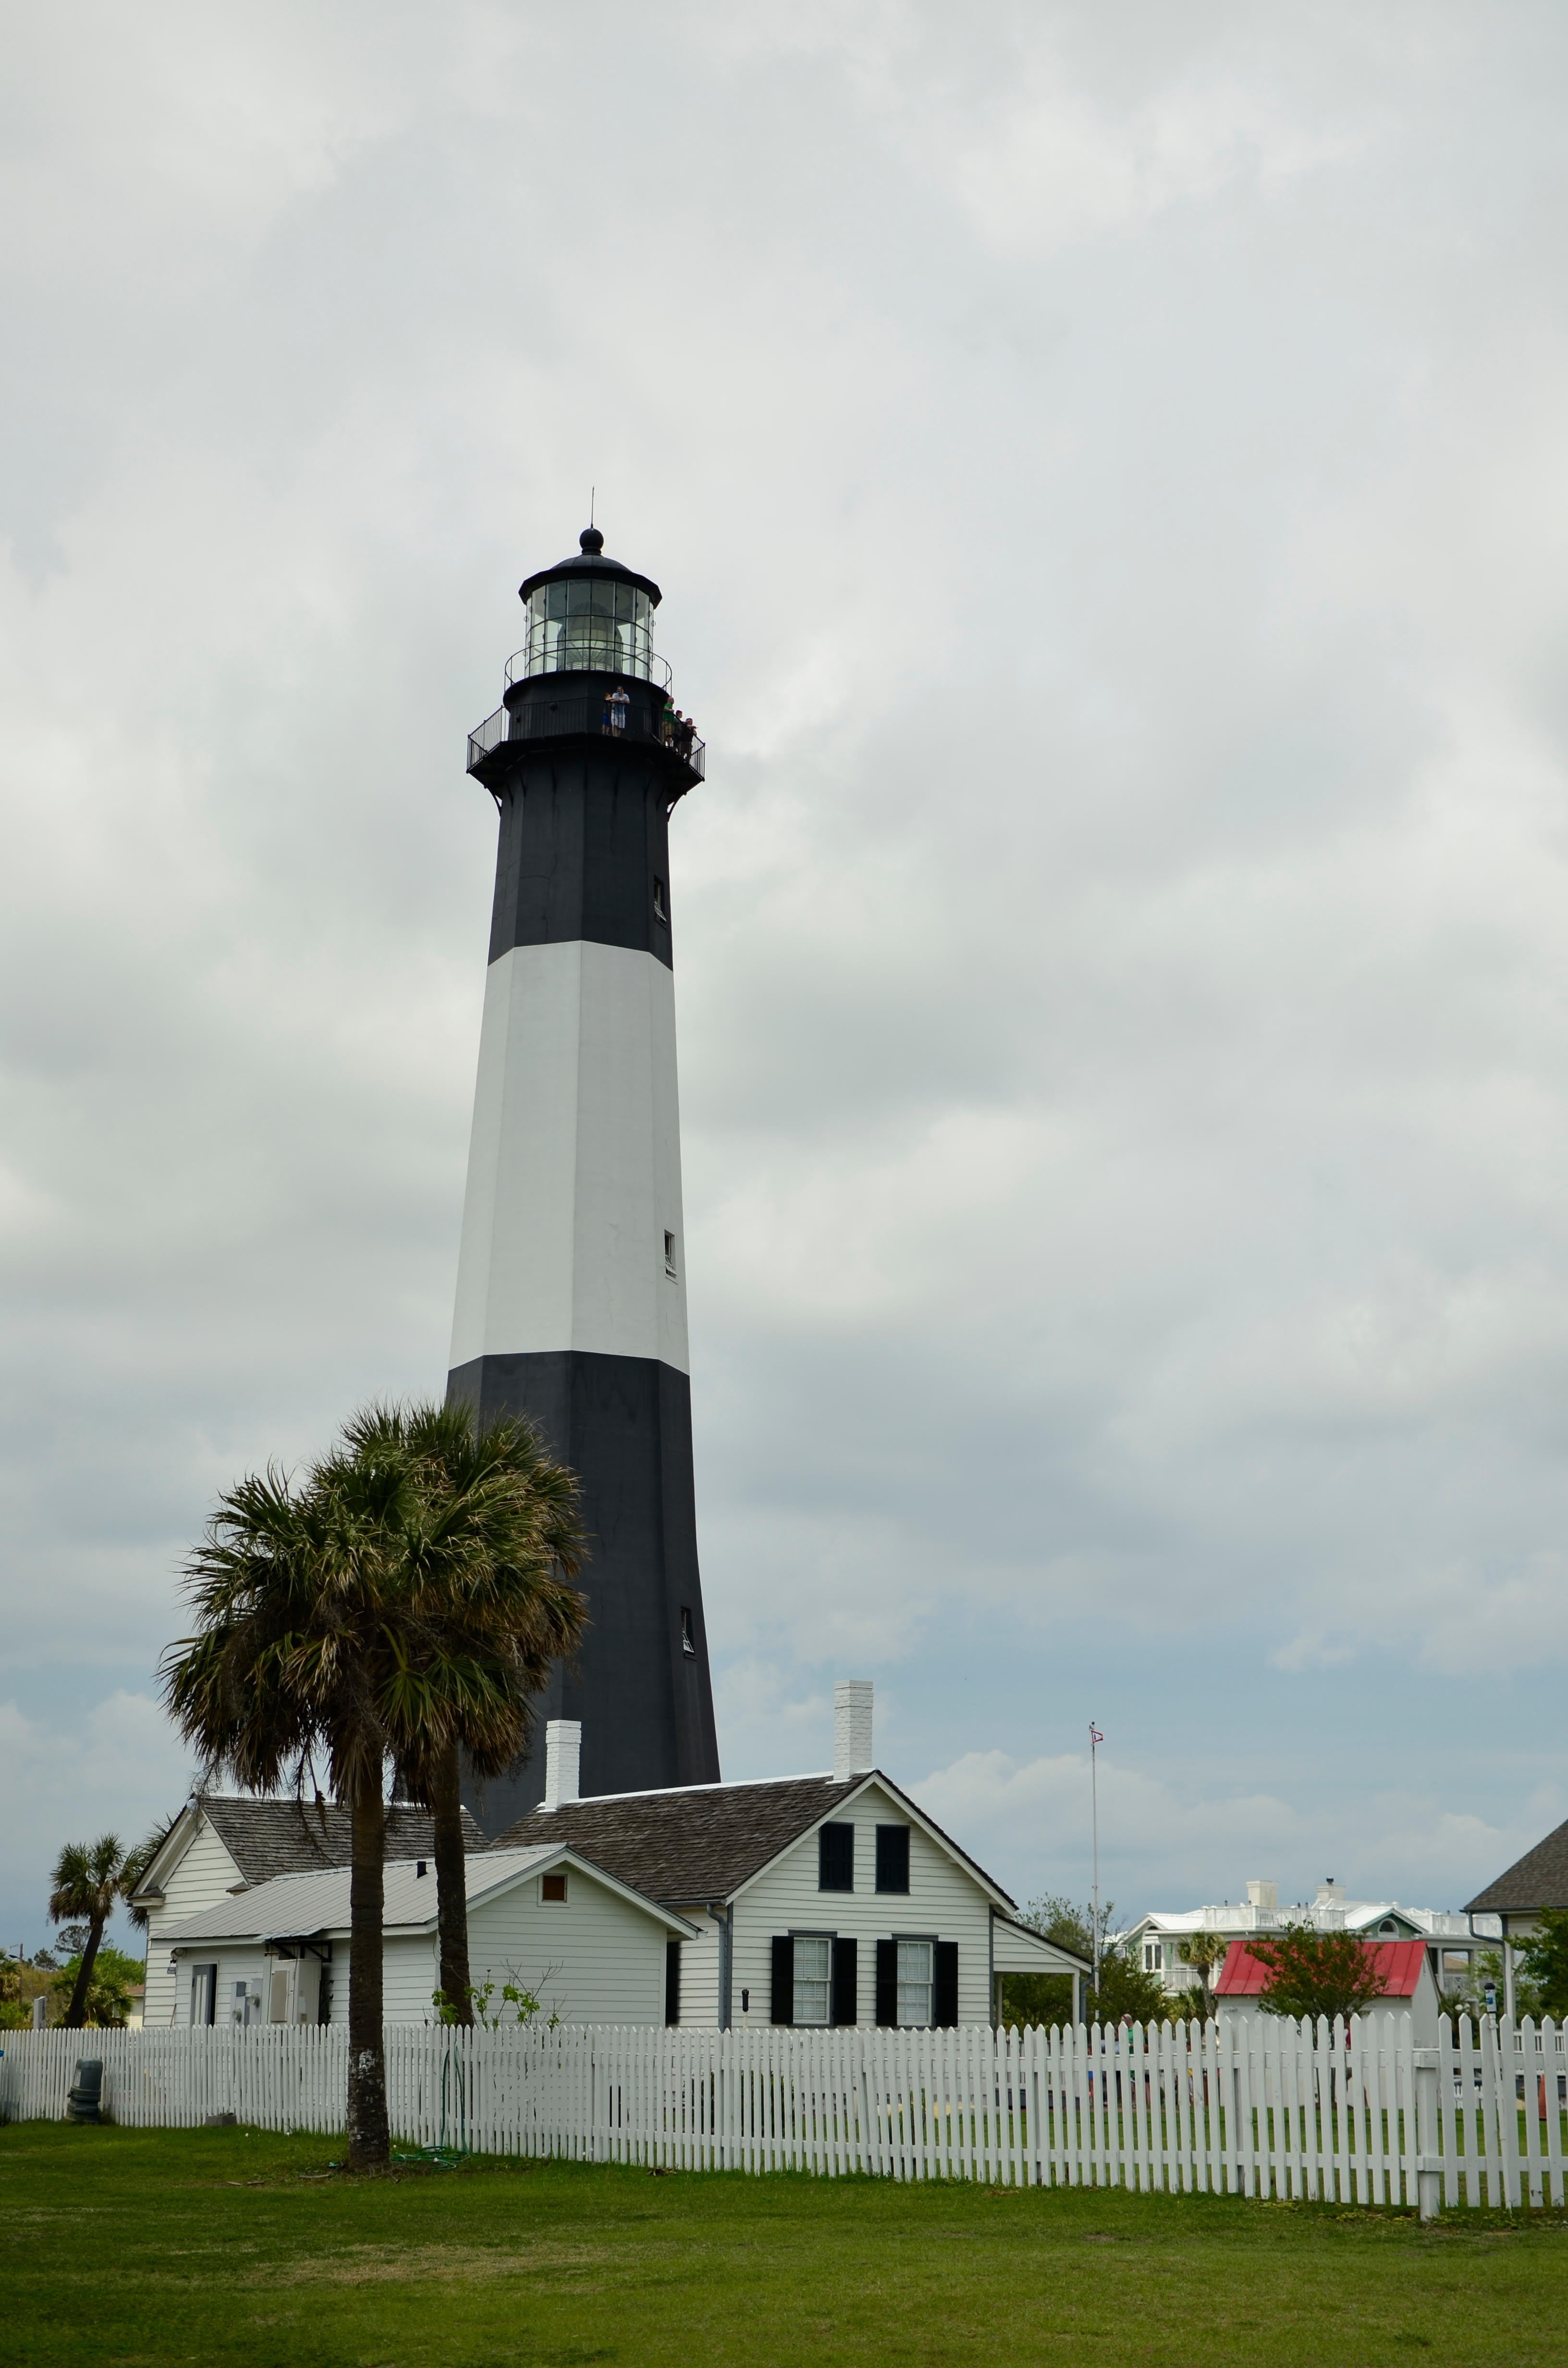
{"points": [[311, 1907], [1017, 1948], [707, 1841], [268, 1838], [1399, 1962], [1537, 1879]]}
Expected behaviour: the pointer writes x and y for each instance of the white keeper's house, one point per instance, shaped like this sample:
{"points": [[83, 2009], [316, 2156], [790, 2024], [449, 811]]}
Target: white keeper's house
{"points": [[829, 1899], [542, 1921], [222, 1846], [816, 1900]]}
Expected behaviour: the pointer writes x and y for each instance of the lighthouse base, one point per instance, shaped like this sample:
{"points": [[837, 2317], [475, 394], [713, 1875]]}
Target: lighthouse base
{"points": [[639, 1681]]}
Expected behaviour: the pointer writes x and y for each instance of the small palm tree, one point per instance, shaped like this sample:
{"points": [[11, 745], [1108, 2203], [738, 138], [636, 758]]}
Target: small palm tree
{"points": [[496, 1541], [88, 1878]]}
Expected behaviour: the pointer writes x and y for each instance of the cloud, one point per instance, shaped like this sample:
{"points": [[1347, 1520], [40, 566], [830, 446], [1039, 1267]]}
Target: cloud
{"points": [[1170, 1844], [1107, 481], [116, 1767]]}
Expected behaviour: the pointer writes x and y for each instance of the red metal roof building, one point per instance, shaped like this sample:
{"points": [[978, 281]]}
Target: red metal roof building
{"points": [[1405, 1965]]}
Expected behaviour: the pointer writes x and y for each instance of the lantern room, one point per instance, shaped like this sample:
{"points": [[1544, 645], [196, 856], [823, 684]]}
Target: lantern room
{"points": [[588, 615]]}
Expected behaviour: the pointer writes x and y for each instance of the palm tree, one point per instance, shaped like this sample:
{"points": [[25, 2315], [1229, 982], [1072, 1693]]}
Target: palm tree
{"points": [[304, 1644], [88, 1878], [496, 1539]]}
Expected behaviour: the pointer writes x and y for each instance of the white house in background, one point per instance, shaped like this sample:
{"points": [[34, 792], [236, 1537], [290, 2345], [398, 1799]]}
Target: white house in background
{"points": [[590, 1949], [1155, 1940], [220, 1847], [1409, 1984], [828, 1899]]}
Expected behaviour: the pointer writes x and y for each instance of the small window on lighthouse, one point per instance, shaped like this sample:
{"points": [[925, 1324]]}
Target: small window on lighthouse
{"points": [[661, 905], [687, 1634], [669, 1253]]}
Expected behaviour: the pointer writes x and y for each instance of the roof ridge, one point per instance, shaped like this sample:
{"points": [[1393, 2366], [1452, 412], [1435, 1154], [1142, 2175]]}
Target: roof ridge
{"points": [[684, 1791]]}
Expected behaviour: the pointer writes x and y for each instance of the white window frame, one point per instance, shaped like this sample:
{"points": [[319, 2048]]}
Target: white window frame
{"points": [[926, 1940], [812, 1939]]}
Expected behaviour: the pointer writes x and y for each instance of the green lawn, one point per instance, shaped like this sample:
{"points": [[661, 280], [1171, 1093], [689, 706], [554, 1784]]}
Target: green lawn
{"points": [[164, 2246]]}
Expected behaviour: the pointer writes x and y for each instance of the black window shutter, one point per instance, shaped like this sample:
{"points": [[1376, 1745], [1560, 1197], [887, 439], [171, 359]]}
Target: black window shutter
{"points": [[887, 1983], [846, 1982], [892, 1858], [672, 1981], [945, 2005], [835, 1858], [783, 1979]]}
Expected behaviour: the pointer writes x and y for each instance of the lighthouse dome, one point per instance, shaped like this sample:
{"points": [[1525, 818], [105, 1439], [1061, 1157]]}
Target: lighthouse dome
{"points": [[587, 615]]}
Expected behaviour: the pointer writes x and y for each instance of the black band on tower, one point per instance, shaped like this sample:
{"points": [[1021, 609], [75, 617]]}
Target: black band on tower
{"points": [[639, 1682]]}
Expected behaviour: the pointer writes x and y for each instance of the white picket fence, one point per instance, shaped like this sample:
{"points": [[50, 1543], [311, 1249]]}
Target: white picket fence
{"points": [[1357, 2112]]}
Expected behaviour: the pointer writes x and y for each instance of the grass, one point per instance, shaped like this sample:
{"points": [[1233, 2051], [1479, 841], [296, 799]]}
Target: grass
{"points": [[165, 2246]]}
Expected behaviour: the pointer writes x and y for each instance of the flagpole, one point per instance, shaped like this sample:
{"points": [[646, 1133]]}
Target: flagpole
{"points": [[1095, 1740]]}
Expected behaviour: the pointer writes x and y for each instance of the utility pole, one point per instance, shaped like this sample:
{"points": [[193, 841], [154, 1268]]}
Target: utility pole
{"points": [[1095, 1740]]}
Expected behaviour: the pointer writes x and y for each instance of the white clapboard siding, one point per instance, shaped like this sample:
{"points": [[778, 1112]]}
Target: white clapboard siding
{"points": [[943, 1902], [1262, 2107], [204, 1875]]}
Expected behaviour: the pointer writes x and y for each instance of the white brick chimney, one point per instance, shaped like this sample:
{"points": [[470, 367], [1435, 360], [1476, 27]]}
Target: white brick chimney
{"points": [[852, 1753], [563, 1753]]}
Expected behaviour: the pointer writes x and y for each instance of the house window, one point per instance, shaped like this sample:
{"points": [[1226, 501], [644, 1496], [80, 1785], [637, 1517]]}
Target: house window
{"points": [[914, 1982], [1151, 1956], [661, 903], [687, 1633], [835, 1858], [892, 1858], [552, 1887], [669, 1253], [814, 1977], [1388, 1930]]}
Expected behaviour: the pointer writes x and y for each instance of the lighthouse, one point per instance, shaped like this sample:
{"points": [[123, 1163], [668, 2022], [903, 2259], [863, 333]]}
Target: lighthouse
{"points": [[571, 1297]]}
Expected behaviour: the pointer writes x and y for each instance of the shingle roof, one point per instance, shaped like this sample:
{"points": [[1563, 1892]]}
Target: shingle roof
{"points": [[701, 1842], [1539, 1879], [267, 1838]]}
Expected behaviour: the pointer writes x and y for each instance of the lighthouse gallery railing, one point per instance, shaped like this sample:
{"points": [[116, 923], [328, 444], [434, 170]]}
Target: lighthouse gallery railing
{"points": [[565, 719]]}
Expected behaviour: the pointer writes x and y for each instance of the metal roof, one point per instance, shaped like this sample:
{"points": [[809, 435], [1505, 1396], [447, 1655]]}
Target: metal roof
{"points": [[306, 1906], [1399, 1962]]}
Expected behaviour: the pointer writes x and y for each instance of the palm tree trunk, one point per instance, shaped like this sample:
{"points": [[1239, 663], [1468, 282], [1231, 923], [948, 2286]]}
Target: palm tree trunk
{"points": [[452, 1884], [76, 2012], [369, 2143]]}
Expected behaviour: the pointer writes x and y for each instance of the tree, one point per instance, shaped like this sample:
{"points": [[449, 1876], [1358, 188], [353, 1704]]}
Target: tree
{"points": [[301, 1646], [1203, 1952], [1542, 1960], [326, 1624], [1125, 1989], [137, 1861], [107, 2000], [86, 1882], [498, 1539], [492, 1539], [1312, 1973]]}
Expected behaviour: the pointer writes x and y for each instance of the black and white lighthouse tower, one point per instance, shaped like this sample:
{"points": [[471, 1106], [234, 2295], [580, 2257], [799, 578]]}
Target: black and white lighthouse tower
{"points": [[570, 1301]]}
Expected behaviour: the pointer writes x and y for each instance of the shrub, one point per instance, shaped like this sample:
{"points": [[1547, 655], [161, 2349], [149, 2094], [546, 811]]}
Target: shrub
{"points": [[1314, 1972]]}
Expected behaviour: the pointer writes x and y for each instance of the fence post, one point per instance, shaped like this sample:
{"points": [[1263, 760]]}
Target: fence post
{"points": [[1429, 2168]]}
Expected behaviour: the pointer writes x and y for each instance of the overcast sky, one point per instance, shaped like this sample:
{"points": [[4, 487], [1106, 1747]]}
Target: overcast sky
{"points": [[1106, 472]]}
